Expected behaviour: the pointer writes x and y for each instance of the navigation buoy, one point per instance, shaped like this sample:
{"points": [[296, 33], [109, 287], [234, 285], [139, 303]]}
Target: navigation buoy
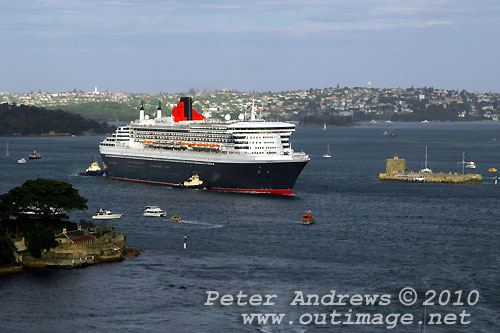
{"points": [[185, 242]]}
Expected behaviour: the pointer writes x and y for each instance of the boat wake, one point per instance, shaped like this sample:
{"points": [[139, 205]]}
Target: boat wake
{"points": [[201, 224]]}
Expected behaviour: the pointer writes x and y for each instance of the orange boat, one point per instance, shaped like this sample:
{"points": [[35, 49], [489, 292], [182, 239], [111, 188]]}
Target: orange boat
{"points": [[308, 218], [176, 218]]}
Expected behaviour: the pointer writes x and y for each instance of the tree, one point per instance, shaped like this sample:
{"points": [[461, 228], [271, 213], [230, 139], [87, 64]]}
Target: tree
{"points": [[42, 196], [7, 249], [39, 238]]}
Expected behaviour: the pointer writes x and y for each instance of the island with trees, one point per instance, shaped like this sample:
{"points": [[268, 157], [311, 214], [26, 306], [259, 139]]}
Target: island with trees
{"points": [[32, 120], [35, 231]]}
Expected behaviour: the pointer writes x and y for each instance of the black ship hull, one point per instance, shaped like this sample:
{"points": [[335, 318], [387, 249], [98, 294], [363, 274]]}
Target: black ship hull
{"points": [[92, 173], [258, 177]]}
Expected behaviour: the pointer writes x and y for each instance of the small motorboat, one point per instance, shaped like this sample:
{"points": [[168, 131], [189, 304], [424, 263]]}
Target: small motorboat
{"points": [[35, 155], [176, 218], [307, 218], [21, 161], [154, 211], [93, 170], [104, 214], [470, 165]]}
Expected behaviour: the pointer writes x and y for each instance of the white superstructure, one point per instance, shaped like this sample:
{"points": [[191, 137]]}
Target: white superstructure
{"points": [[253, 139]]}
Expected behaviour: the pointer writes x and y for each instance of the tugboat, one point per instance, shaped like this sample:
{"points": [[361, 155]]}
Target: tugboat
{"points": [[193, 182], [176, 218], [154, 211], [308, 218], [93, 170], [104, 214], [35, 155]]}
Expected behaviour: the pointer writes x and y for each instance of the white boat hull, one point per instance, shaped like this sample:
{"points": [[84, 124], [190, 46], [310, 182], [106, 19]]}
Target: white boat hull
{"points": [[155, 214], [107, 217]]}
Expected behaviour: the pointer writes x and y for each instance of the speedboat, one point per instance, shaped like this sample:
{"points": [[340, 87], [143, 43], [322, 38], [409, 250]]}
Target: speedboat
{"points": [[21, 161], [176, 218], [307, 218], [35, 155], [154, 211], [104, 214], [470, 165]]}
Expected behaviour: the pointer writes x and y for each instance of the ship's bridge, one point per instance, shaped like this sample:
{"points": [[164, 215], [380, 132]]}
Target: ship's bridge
{"points": [[258, 137]]}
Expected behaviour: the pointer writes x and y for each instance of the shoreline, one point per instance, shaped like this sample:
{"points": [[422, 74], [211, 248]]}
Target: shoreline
{"points": [[67, 264]]}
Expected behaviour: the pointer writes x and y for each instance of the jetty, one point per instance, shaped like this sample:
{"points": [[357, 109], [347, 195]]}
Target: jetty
{"points": [[395, 170]]}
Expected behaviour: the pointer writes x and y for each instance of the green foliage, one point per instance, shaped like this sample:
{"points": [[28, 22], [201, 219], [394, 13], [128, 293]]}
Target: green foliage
{"points": [[39, 238], [102, 111], [42, 195], [31, 120], [330, 120], [7, 249]]}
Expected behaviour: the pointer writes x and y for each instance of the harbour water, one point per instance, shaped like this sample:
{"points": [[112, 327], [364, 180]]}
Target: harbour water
{"points": [[371, 237]]}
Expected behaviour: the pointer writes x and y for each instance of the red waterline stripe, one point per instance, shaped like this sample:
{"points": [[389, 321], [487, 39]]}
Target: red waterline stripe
{"points": [[284, 192], [142, 181]]}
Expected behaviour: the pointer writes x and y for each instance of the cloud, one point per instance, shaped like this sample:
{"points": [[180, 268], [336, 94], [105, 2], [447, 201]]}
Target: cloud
{"points": [[52, 18]]}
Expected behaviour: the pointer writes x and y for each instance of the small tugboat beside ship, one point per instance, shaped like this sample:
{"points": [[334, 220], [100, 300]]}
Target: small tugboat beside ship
{"points": [[93, 170], [193, 182]]}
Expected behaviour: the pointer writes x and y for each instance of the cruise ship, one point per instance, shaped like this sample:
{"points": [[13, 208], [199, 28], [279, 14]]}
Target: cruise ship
{"points": [[244, 155]]}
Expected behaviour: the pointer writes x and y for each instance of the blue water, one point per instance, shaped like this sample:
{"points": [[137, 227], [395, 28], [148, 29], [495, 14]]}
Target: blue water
{"points": [[371, 237]]}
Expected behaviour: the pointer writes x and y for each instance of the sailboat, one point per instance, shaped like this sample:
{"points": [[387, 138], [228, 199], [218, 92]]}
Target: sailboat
{"points": [[7, 149], [426, 169], [324, 126], [327, 155]]}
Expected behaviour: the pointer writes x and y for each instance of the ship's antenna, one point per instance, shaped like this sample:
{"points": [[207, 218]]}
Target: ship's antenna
{"points": [[252, 114]]}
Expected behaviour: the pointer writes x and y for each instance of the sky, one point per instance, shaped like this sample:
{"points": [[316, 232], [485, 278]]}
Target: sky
{"points": [[155, 46]]}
